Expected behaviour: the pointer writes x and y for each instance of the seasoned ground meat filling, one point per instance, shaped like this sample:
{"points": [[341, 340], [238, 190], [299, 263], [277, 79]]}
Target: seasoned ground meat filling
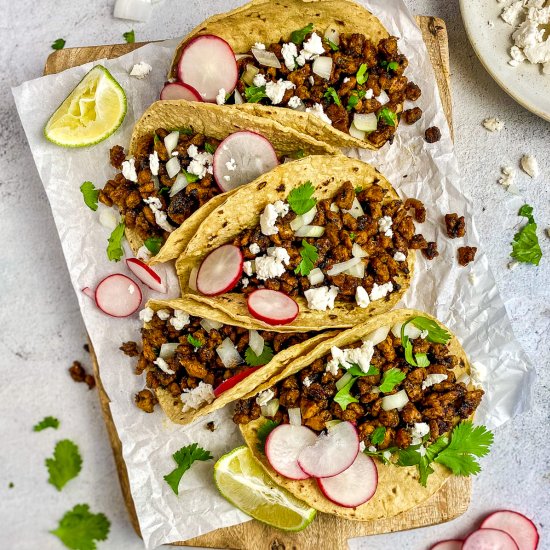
{"points": [[466, 254], [455, 225], [364, 78], [439, 405], [130, 196]]}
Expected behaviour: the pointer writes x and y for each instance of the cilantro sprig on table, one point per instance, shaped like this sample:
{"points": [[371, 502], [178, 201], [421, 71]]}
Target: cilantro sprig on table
{"points": [[184, 459], [299, 36], [58, 44], [65, 464], [130, 36], [114, 247], [90, 194], [79, 529], [254, 360], [301, 199], [525, 247], [46, 422], [309, 255], [436, 335]]}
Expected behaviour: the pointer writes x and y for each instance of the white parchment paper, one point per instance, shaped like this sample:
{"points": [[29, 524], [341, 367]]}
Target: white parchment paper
{"points": [[466, 299]]}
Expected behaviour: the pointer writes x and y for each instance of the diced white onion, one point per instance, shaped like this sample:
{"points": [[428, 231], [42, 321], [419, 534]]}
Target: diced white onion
{"points": [[357, 251], [333, 35], [356, 271], [180, 183], [156, 182], [316, 276], [238, 97], [343, 266], [410, 330], [209, 325], [268, 59], [241, 56], [249, 74], [173, 166], [168, 350], [464, 379], [228, 354], [309, 216], [343, 381], [322, 67], [354, 132], [108, 218], [296, 223], [295, 416], [270, 410], [383, 98], [356, 209], [256, 342], [310, 231], [331, 423], [377, 336], [375, 390], [365, 122], [193, 279], [300, 107], [334, 207], [171, 141], [396, 401]]}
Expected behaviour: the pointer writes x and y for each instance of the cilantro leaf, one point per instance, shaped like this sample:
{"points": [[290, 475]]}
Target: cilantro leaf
{"points": [[301, 199], [253, 94], [332, 94], [263, 431], [78, 529], [184, 458], [309, 255], [191, 178], [153, 245], [352, 235], [90, 194], [409, 456], [378, 435], [209, 148], [343, 397], [114, 248], [130, 36], [393, 65], [332, 45], [354, 98], [356, 371], [422, 360], [299, 154], [47, 422], [436, 334], [59, 44], [525, 247], [65, 464], [390, 379], [194, 341], [362, 75], [258, 360], [388, 116], [299, 36]]}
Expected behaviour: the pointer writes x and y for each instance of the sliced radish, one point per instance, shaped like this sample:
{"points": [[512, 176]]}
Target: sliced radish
{"points": [[454, 544], [146, 275], [89, 292], [354, 486], [208, 64], [220, 271], [118, 296], [520, 528], [179, 90], [272, 306], [489, 539], [241, 158], [234, 380], [332, 453], [283, 446]]}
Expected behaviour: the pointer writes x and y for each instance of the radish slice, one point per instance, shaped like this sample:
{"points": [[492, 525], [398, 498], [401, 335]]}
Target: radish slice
{"points": [[241, 158], [208, 64], [332, 453], [454, 544], [489, 539], [179, 90], [272, 306], [89, 292], [118, 296], [284, 444], [220, 271], [354, 486], [146, 275], [520, 528]]}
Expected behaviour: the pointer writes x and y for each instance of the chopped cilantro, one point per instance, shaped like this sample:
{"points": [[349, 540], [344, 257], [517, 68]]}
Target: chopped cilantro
{"points": [[11, 485], [422, 360], [79, 529], [164, 190], [362, 75], [309, 255], [332, 45], [358, 190], [153, 245], [47, 422], [194, 341], [258, 360], [436, 335], [343, 397], [253, 94], [332, 94], [114, 248], [59, 44], [388, 116], [209, 148], [65, 464], [393, 65], [390, 379], [352, 235], [357, 371], [299, 36], [299, 154], [263, 431], [184, 458], [301, 199], [381, 455], [378, 435], [525, 247], [383, 64], [354, 98], [130, 36], [191, 178], [90, 194], [185, 130]]}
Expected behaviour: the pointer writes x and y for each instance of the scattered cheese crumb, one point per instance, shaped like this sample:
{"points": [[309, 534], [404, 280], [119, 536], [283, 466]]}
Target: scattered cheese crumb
{"points": [[141, 70], [129, 170], [220, 98], [195, 398], [163, 314], [493, 124], [530, 165], [265, 397], [146, 315]]}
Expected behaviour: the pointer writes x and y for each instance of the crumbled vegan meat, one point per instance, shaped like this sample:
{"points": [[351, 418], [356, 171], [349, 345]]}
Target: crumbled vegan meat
{"points": [[78, 374], [86, 348], [419, 209], [210, 426], [145, 400], [430, 252], [466, 254], [455, 225], [130, 349], [90, 381], [432, 134], [117, 156], [410, 116]]}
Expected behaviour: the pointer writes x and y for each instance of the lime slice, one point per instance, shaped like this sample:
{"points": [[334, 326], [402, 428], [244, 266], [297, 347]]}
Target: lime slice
{"points": [[244, 483], [91, 112]]}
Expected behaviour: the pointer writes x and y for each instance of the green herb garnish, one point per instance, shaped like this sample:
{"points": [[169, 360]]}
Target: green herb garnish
{"points": [[299, 154], [153, 245], [343, 397], [47, 422], [90, 194], [59, 44], [422, 360], [299, 36], [352, 235], [394, 65], [258, 360], [191, 178], [114, 248], [436, 335], [194, 341], [362, 75], [390, 379], [79, 529], [332, 45], [388, 116], [354, 98], [164, 190], [209, 148], [309, 255], [65, 464], [253, 94], [263, 431], [184, 458], [301, 199], [378, 435], [525, 247], [130, 36], [332, 94]]}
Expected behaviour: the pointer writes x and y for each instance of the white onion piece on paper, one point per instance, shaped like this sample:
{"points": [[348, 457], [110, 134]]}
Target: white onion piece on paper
{"points": [[357, 251], [310, 231], [228, 353], [295, 416], [256, 342], [340, 383], [168, 350], [238, 97], [377, 336], [171, 141], [193, 279], [250, 72], [343, 266], [354, 132], [322, 67], [134, 10], [270, 410], [356, 209], [316, 276], [396, 401], [209, 325], [357, 270], [333, 35], [268, 59], [383, 98], [108, 218], [173, 166], [365, 122], [180, 183]]}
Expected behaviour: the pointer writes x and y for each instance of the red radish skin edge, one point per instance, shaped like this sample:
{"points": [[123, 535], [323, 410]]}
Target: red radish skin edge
{"points": [[452, 544], [89, 292], [179, 90], [146, 275], [235, 272], [127, 281], [480, 539], [234, 380], [291, 304], [497, 520]]}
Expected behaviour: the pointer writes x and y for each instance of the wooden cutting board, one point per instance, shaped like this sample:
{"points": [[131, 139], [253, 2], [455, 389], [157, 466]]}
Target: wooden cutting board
{"points": [[326, 532]]}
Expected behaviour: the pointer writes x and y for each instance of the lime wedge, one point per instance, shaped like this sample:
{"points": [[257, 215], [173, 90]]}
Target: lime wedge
{"points": [[244, 483], [91, 112]]}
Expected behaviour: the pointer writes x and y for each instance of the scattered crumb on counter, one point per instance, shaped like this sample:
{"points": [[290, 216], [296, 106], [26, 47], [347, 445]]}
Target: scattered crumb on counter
{"points": [[530, 165], [493, 124]]}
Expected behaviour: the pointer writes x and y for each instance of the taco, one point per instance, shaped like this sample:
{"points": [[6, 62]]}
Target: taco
{"points": [[326, 238], [327, 68], [400, 382], [196, 360], [166, 185]]}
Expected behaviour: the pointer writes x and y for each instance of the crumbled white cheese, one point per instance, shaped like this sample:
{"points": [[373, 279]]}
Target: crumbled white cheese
{"points": [[432, 379], [129, 170], [384, 226], [231, 165], [163, 365], [346, 80], [321, 298], [419, 430], [399, 256], [422, 450], [247, 268], [259, 46], [517, 56], [275, 91], [289, 53], [259, 80], [511, 14], [295, 102], [372, 449], [281, 207], [161, 218], [272, 264], [319, 112], [264, 397], [369, 94], [362, 446], [386, 455], [493, 124], [244, 282], [201, 163], [220, 98], [180, 319], [507, 178], [254, 248], [141, 70], [269, 216], [362, 297], [146, 315], [312, 47], [380, 291], [143, 253], [163, 314], [530, 165], [346, 358], [197, 397], [307, 382], [154, 163], [311, 80]]}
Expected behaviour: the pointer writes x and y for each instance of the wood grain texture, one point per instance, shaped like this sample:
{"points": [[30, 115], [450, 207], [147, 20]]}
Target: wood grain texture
{"points": [[326, 532]]}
